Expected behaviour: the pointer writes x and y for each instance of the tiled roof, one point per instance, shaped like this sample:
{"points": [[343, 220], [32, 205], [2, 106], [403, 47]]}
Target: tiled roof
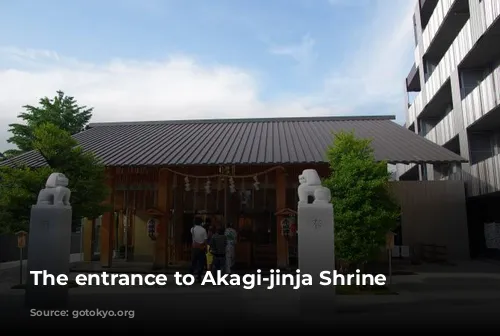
{"points": [[246, 141]]}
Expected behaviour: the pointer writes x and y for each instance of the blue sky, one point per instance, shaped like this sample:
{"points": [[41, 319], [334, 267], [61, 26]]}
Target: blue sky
{"points": [[183, 59]]}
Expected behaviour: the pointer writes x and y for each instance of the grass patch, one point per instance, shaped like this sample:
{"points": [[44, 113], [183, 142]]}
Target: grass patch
{"points": [[71, 284], [364, 290]]}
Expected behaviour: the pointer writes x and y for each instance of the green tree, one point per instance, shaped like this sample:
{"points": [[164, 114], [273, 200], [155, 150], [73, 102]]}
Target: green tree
{"points": [[363, 206], [19, 186], [61, 111]]}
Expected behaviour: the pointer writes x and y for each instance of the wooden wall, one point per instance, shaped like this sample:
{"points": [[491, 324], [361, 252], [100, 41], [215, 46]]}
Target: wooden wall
{"points": [[135, 191], [434, 213]]}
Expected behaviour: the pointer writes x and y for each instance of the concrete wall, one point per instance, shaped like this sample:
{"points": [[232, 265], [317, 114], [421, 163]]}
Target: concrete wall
{"points": [[10, 252], [434, 213]]}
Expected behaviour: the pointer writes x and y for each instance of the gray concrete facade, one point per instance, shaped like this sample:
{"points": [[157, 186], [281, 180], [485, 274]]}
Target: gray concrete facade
{"points": [[457, 101]]}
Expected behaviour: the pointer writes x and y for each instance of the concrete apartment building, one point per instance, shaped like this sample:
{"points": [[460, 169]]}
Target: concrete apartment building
{"points": [[453, 99]]}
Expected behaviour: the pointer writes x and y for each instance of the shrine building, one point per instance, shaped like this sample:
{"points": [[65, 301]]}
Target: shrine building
{"points": [[239, 171]]}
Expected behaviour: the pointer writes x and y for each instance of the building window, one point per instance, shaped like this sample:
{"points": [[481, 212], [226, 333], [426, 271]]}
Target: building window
{"points": [[481, 147], [496, 143], [470, 79], [429, 67]]}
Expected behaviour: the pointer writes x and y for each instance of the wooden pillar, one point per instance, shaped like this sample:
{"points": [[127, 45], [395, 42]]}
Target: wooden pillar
{"points": [[177, 221], [281, 243], [161, 257], [120, 232], [132, 180], [88, 234], [131, 228], [108, 225]]}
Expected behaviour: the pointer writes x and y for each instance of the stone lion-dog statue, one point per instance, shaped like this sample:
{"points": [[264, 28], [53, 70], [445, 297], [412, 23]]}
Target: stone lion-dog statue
{"points": [[56, 191], [310, 185]]}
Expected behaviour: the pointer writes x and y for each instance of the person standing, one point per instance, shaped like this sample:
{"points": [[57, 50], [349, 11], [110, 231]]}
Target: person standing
{"points": [[231, 235], [198, 259], [218, 248], [210, 257]]}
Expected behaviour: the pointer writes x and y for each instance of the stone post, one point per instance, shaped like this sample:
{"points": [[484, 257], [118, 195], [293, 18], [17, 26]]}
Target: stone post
{"points": [[49, 243], [315, 240]]}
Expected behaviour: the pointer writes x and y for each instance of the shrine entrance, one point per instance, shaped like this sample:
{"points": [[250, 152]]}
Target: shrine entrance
{"points": [[256, 246], [246, 201], [156, 209]]}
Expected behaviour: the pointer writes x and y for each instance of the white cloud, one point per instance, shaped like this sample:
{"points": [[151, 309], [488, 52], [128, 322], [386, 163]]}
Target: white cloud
{"points": [[376, 73], [303, 52], [177, 88], [180, 87]]}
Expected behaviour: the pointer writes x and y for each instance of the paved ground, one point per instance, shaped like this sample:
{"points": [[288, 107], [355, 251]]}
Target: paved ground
{"points": [[463, 294], [252, 309], [10, 272], [73, 258]]}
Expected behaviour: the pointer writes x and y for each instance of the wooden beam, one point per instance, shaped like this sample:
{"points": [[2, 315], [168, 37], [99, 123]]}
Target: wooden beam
{"points": [[164, 199], [88, 228], [131, 199], [281, 243], [121, 228], [177, 220], [108, 224]]}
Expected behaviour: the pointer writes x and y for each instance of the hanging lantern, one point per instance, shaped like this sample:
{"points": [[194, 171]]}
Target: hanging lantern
{"points": [[208, 187], [285, 227], [256, 183], [187, 186], [152, 227]]}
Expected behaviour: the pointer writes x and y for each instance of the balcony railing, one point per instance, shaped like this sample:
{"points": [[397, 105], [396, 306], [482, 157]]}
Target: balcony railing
{"points": [[491, 10], [484, 177], [437, 18], [482, 99], [458, 50], [444, 130], [417, 106], [455, 54]]}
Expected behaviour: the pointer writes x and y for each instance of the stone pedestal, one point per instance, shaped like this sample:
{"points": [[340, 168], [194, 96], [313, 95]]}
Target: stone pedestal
{"points": [[49, 250], [316, 247], [316, 238]]}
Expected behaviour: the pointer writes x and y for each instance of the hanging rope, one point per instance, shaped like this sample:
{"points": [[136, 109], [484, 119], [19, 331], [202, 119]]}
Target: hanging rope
{"points": [[223, 175]]}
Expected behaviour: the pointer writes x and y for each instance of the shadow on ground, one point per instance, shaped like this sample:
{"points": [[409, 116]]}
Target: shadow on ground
{"points": [[443, 284], [239, 310]]}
